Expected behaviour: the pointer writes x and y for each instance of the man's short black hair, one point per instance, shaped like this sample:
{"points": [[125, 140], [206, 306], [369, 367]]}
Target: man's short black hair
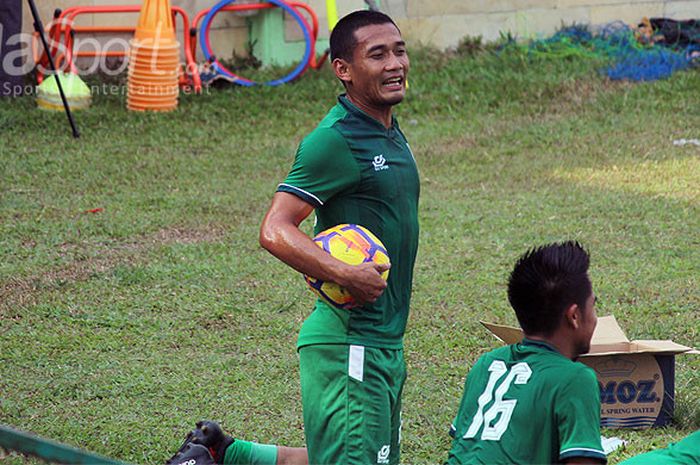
{"points": [[343, 41], [546, 281]]}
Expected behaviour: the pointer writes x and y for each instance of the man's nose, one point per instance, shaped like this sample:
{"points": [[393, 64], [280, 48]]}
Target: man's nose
{"points": [[394, 62]]}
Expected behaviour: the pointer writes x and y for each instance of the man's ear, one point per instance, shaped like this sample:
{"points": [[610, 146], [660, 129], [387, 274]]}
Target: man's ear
{"points": [[572, 316], [342, 70]]}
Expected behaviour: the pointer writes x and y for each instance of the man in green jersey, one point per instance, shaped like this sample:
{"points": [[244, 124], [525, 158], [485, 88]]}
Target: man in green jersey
{"points": [[684, 452], [354, 167], [531, 403]]}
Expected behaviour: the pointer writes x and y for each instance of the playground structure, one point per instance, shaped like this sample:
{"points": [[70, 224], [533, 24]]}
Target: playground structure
{"points": [[62, 31]]}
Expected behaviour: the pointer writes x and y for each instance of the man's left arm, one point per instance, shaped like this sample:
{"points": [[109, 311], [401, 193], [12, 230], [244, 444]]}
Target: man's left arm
{"points": [[577, 410]]}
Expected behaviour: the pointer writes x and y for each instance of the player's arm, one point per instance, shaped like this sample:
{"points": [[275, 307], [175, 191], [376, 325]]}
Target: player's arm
{"points": [[292, 456], [207, 444], [281, 236], [577, 409]]}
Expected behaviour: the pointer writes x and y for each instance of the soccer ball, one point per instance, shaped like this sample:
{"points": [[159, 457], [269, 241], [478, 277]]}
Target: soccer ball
{"points": [[353, 244]]}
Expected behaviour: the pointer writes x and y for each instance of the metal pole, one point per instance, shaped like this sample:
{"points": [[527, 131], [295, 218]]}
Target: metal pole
{"points": [[39, 27], [50, 451]]}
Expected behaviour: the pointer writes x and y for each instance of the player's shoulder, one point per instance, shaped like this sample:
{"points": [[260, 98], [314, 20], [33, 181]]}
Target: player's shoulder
{"points": [[543, 356], [563, 367], [578, 374], [324, 139], [499, 353], [552, 363], [330, 127], [570, 379], [333, 121]]}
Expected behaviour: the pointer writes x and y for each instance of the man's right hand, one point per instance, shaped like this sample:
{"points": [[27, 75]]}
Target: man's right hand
{"points": [[365, 282]]}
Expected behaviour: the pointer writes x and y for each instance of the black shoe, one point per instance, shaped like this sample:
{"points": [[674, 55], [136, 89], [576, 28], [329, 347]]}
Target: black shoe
{"points": [[208, 434], [192, 454]]}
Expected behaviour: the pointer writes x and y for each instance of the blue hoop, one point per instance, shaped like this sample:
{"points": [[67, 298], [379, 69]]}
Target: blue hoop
{"points": [[220, 69]]}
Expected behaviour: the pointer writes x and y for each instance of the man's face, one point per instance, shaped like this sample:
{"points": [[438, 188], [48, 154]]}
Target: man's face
{"points": [[379, 66], [589, 319]]}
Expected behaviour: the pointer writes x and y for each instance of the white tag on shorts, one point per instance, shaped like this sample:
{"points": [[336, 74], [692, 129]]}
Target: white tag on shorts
{"points": [[356, 362]]}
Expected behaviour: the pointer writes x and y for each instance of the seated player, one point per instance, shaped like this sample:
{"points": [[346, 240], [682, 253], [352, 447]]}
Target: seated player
{"points": [[531, 402]]}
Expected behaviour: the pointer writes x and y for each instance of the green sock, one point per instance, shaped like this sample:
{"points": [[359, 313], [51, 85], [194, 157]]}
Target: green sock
{"points": [[250, 453]]}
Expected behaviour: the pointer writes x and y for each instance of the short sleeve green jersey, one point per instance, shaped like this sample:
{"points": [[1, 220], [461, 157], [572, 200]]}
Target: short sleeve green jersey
{"points": [[684, 452], [353, 169], [527, 404]]}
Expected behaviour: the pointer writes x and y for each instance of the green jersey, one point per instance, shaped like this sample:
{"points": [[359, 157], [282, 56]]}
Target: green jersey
{"points": [[352, 169], [527, 404], [684, 452]]}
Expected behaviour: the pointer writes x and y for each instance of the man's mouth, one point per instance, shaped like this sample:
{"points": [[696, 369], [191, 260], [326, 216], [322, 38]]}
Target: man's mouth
{"points": [[394, 83]]}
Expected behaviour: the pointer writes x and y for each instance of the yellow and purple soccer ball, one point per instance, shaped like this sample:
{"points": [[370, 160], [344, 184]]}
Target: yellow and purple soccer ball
{"points": [[352, 244]]}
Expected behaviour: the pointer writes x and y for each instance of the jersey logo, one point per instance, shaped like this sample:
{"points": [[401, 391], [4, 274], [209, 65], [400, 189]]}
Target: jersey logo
{"points": [[383, 454], [379, 163]]}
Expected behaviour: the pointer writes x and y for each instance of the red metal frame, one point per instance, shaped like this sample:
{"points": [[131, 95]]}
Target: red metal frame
{"points": [[62, 29]]}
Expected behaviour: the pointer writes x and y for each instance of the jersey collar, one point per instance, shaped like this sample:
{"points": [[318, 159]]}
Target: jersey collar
{"points": [[544, 345], [352, 109]]}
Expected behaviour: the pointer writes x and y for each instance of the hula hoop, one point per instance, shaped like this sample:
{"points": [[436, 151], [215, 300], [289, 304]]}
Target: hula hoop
{"points": [[221, 69]]}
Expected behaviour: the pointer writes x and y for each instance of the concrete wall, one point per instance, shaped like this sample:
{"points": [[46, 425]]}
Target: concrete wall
{"points": [[444, 22], [441, 23]]}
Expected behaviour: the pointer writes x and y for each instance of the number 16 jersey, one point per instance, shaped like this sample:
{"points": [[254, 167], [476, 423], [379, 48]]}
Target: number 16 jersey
{"points": [[527, 404]]}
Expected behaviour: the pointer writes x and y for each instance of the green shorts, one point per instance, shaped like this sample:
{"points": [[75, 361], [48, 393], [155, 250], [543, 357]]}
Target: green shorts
{"points": [[351, 396]]}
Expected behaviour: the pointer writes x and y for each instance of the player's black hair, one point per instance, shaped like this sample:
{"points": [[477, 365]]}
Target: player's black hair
{"points": [[343, 40], [547, 280]]}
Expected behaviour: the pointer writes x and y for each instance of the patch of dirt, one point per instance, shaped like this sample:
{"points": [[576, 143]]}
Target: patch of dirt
{"points": [[188, 236], [24, 291], [21, 292], [571, 95], [446, 147]]}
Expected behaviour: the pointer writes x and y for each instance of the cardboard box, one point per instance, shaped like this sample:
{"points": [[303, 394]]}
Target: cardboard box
{"points": [[636, 378]]}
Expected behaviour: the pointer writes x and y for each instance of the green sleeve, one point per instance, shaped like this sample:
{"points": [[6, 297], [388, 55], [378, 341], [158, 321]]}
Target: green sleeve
{"points": [[323, 167], [250, 453], [684, 452], [238, 453], [577, 413]]}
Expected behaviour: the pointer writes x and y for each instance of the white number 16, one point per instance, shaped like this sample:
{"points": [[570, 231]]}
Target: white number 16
{"points": [[520, 374]]}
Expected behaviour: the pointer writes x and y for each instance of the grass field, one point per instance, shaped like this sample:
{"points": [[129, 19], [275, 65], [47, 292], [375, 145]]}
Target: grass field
{"points": [[120, 328]]}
